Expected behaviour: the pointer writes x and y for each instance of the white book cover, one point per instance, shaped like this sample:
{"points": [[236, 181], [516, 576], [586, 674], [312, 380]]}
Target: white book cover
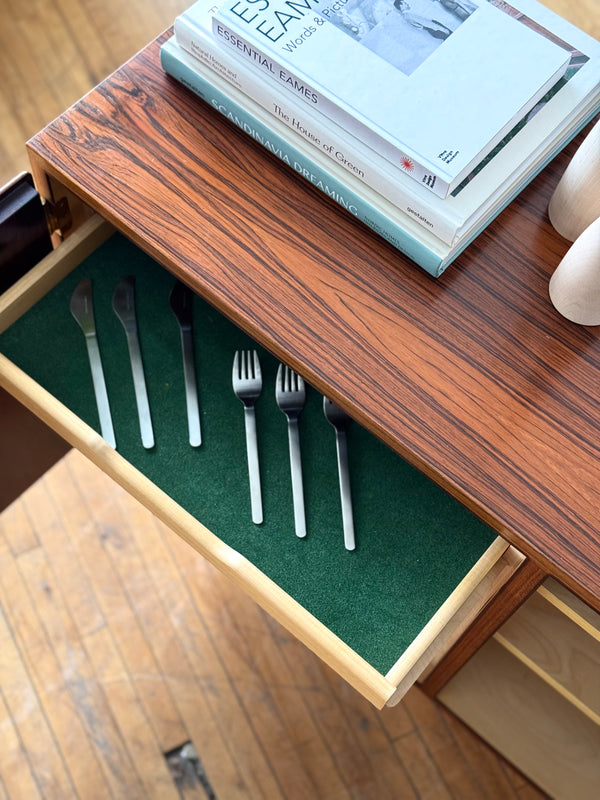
{"points": [[432, 89]]}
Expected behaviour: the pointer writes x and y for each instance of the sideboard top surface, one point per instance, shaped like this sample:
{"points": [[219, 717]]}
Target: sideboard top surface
{"points": [[472, 377]]}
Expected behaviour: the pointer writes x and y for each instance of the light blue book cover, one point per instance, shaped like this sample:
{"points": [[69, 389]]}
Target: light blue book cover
{"points": [[432, 84]]}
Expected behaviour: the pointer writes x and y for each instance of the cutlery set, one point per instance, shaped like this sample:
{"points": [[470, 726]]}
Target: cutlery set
{"points": [[290, 396], [123, 305], [247, 382]]}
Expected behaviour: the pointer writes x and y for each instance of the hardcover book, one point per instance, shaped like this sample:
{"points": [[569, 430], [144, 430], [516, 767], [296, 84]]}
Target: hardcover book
{"points": [[551, 129], [446, 219], [433, 85]]}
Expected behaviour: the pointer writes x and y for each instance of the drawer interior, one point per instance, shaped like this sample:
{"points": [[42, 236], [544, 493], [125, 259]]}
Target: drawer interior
{"points": [[414, 542]]}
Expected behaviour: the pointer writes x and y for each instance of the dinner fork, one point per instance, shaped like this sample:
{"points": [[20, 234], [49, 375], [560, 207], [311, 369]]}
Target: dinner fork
{"points": [[247, 385], [290, 394], [338, 418]]}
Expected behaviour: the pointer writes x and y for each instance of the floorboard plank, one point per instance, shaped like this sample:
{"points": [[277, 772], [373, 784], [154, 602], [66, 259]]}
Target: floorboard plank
{"points": [[84, 693], [76, 491], [47, 677], [18, 531], [387, 773], [23, 706], [52, 531], [266, 690], [15, 769], [134, 727]]}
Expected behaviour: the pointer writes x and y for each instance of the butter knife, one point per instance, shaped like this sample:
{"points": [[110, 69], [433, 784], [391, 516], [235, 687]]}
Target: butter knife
{"points": [[82, 309], [340, 421], [182, 305], [123, 303]]}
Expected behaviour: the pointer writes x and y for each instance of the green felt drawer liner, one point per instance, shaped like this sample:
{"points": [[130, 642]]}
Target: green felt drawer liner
{"points": [[414, 542]]}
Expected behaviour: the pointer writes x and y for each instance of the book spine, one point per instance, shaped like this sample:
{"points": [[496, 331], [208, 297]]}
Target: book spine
{"points": [[378, 174], [262, 61], [302, 165]]}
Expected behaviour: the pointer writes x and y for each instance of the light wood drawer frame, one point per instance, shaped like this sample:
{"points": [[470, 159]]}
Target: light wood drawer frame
{"points": [[461, 608]]}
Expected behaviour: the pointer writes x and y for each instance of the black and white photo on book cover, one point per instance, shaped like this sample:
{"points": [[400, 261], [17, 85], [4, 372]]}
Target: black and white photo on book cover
{"points": [[402, 32]]}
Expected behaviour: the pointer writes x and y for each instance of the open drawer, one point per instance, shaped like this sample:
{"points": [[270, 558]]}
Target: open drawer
{"points": [[424, 566]]}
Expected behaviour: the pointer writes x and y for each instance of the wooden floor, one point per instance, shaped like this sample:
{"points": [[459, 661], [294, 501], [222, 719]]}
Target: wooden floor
{"points": [[118, 644]]}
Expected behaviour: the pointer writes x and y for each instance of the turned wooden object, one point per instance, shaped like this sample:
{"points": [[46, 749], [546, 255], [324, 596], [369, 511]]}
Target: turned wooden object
{"points": [[575, 284], [575, 203]]}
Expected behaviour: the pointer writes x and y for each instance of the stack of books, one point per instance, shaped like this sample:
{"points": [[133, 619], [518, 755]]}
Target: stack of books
{"points": [[422, 118]]}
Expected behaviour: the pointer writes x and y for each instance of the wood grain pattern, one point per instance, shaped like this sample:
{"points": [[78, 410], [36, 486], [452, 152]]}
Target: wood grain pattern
{"points": [[474, 378]]}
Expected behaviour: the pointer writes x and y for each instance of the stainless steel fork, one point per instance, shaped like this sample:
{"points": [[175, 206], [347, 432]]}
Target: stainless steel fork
{"points": [[338, 418], [247, 385], [290, 394]]}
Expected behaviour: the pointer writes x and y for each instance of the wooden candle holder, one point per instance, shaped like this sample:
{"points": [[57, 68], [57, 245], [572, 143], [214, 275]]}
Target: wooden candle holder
{"points": [[575, 284]]}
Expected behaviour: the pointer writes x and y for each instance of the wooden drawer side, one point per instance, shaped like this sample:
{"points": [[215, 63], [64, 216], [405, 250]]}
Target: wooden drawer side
{"points": [[474, 592]]}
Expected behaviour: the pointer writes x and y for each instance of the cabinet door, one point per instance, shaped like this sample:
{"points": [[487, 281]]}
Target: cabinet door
{"points": [[533, 692]]}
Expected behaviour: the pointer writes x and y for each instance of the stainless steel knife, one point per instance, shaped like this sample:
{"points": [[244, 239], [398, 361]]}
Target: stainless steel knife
{"points": [[123, 303], [82, 309], [181, 301]]}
